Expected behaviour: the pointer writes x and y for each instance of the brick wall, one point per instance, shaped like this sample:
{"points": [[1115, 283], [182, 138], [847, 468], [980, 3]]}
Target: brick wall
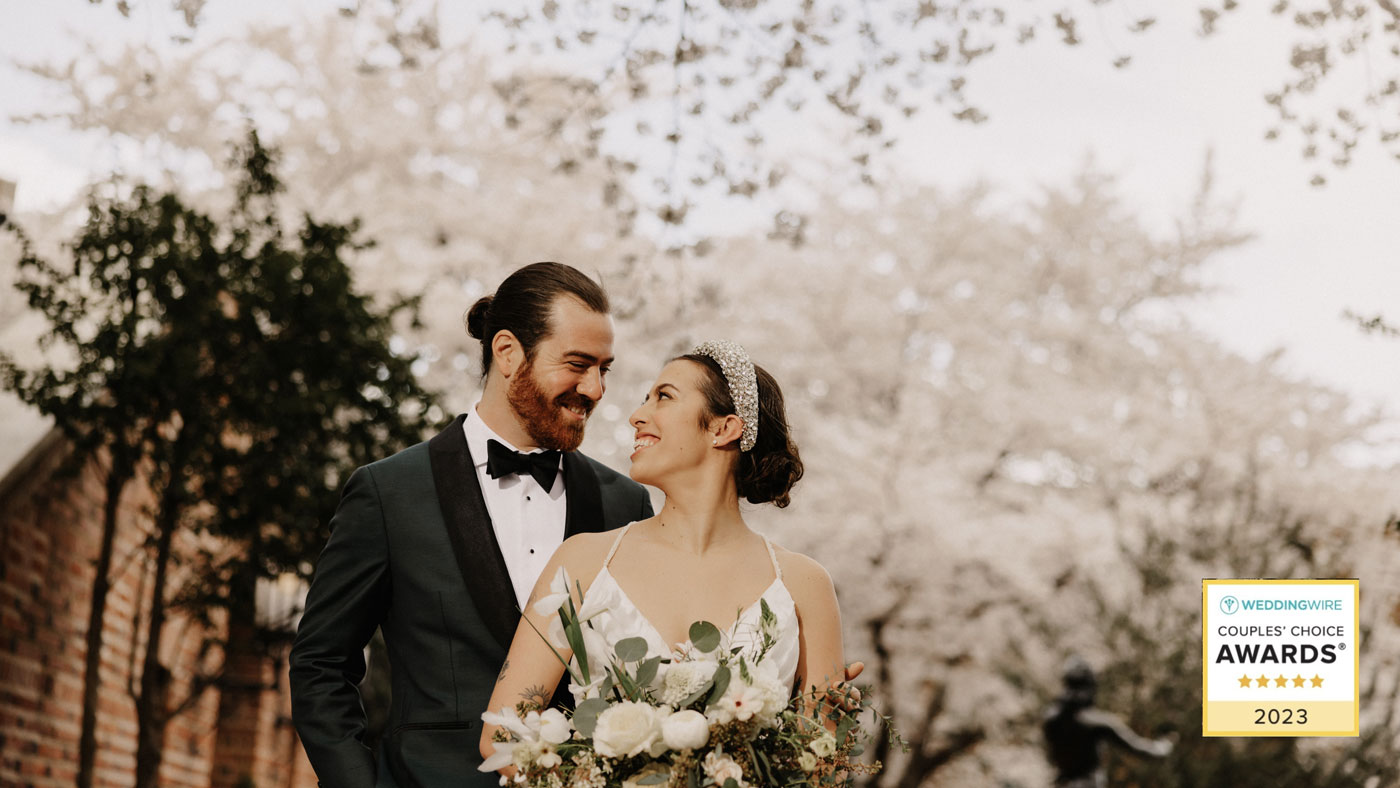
{"points": [[50, 531]]}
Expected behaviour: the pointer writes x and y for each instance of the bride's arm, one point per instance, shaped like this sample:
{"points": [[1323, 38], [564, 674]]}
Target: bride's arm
{"points": [[531, 670], [820, 662]]}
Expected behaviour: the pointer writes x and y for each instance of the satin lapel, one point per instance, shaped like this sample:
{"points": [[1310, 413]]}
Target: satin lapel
{"points": [[469, 528], [583, 500]]}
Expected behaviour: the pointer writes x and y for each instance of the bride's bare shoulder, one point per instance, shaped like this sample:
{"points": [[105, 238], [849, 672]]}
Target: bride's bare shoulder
{"points": [[580, 557], [804, 576], [585, 550]]}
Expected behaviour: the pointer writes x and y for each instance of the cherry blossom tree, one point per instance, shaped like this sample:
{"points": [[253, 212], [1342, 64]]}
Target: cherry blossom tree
{"points": [[684, 101]]}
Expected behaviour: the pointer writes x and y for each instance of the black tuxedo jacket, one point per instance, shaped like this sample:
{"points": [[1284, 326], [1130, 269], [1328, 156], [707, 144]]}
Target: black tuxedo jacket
{"points": [[412, 551]]}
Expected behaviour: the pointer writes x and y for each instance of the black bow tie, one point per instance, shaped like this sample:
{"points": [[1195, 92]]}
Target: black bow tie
{"points": [[503, 461]]}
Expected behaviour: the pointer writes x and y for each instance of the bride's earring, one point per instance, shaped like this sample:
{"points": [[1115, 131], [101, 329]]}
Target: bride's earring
{"points": [[714, 442]]}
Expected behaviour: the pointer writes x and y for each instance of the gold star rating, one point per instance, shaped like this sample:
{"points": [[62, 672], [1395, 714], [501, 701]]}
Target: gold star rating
{"points": [[1280, 681]]}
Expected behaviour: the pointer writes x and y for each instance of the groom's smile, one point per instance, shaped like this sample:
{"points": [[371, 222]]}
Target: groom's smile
{"points": [[555, 391]]}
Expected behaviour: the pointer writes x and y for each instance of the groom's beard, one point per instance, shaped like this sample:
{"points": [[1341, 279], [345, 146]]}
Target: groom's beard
{"points": [[542, 417]]}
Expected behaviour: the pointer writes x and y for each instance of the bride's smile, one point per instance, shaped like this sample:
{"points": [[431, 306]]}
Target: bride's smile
{"points": [[674, 434]]}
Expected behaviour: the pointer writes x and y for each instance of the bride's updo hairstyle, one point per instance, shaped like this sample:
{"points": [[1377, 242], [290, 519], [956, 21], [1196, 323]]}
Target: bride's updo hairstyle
{"points": [[767, 472]]}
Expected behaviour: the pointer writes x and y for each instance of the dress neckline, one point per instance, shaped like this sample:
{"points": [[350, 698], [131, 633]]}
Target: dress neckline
{"points": [[777, 582], [622, 532]]}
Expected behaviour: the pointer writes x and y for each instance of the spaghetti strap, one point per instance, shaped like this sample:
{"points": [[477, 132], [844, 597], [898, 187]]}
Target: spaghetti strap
{"points": [[778, 570], [616, 542]]}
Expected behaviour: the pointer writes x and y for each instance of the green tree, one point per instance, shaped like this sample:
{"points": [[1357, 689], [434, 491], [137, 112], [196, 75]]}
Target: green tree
{"points": [[230, 365]]}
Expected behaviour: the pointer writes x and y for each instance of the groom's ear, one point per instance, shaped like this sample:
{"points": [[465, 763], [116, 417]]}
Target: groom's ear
{"points": [[727, 430], [507, 353]]}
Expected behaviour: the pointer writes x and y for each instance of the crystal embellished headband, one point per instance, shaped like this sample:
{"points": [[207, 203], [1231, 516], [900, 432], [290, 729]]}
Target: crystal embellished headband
{"points": [[739, 374]]}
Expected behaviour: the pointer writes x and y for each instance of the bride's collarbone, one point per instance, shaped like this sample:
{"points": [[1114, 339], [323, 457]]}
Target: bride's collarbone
{"points": [[672, 598]]}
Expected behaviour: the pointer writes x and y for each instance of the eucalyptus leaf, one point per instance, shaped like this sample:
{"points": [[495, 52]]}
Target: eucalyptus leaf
{"points": [[655, 778], [646, 672], [631, 649], [721, 683], [704, 636], [729, 783], [586, 715], [698, 694], [844, 727]]}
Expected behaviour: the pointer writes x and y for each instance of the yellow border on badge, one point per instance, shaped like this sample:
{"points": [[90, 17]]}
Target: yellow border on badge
{"points": [[1355, 583]]}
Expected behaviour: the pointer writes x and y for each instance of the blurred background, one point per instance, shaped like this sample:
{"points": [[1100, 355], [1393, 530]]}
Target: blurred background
{"points": [[1073, 307]]}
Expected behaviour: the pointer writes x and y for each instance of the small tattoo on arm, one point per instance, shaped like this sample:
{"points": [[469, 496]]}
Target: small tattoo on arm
{"points": [[504, 667], [535, 697]]}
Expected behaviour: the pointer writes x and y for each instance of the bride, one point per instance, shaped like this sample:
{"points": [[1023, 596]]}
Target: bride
{"points": [[711, 430]]}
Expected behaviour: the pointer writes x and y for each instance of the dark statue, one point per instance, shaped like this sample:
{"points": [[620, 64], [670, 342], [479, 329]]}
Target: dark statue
{"points": [[1074, 730]]}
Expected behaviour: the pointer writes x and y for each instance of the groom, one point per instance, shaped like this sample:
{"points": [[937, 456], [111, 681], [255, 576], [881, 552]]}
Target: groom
{"points": [[441, 544]]}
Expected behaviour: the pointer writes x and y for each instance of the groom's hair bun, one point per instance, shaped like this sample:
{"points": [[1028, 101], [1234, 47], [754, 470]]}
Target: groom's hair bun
{"points": [[767, 472], [476, 317], [524, 303]]}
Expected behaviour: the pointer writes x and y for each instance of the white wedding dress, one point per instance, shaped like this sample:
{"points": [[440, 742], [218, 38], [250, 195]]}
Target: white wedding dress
{"points": [[618, 618]]}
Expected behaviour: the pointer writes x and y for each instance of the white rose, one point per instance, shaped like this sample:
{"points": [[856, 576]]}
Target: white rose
{"points": [[824, 745], [721, 767], [626, 729], [807, 761], [685, 730], [555, 727]]}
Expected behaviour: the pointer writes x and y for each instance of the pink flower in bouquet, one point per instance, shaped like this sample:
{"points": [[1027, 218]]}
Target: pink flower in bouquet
{"points": [[719, 767]]}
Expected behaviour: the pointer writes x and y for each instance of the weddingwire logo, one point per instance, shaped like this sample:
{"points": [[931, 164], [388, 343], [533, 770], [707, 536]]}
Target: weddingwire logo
{"points": [[1229, 605]]}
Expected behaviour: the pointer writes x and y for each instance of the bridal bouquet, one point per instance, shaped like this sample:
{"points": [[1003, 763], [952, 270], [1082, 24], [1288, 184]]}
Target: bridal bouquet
{"points": [[706, 715]]}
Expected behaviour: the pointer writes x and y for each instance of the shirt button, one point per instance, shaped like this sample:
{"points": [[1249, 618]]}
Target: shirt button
{"points": [[527, 497], [532, 551]]}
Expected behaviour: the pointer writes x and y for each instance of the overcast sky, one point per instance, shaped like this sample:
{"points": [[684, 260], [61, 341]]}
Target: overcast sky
{"points": [[1317, 252]]}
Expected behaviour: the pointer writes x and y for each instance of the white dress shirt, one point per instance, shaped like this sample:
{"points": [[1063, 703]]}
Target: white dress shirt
{"points": [[528, 519]]}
